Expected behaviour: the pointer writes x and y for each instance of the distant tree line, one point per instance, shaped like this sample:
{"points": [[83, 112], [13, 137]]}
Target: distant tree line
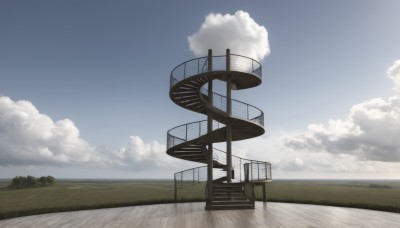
{"points": [[31, 181], [379, 186]]}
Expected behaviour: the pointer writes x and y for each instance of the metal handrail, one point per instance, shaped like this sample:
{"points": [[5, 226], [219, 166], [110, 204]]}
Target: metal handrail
{"points": [[240, 109], [189, 131], [200, 65], [257, 171]]}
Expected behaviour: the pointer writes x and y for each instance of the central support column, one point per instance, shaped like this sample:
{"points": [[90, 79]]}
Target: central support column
{"points": [[209, 130], [229, 112]]}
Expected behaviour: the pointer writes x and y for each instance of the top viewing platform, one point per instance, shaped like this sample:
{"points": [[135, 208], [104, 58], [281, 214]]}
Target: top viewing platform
{"points": [[240, 67]]}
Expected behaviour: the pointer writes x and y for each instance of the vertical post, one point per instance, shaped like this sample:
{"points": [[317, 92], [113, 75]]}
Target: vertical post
{"points": [[251, 170], [264, 190], [209, 130], [200, 129], [229, 112], [246, 172], [175, 193], [240, 169], [193, 175]]}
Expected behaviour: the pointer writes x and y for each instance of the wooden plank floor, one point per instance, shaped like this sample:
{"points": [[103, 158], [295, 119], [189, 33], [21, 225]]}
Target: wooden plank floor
{"points": [[194, 215]]}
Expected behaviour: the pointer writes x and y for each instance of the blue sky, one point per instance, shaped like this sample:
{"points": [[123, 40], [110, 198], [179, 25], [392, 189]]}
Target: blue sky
{"points": [[105, 65]]}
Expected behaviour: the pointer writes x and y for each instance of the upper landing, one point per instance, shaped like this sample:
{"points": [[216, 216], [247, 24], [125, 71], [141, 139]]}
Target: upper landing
{"points": [[245, 72]]}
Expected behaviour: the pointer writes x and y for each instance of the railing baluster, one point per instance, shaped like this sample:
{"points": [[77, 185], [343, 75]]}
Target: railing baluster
{"points": [[199, 129], [198, 175], [184, 71], [240, 170]]}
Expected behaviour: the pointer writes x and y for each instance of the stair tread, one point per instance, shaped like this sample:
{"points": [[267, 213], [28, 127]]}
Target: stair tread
{"points": [[227, 207]]}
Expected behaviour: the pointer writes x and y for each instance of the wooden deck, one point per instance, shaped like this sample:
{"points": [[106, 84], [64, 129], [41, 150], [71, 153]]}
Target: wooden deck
{"points": [[194, 215]]}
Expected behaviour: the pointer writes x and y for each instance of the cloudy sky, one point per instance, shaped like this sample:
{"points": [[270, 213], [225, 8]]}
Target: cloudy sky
{"points": [[84, 85]]}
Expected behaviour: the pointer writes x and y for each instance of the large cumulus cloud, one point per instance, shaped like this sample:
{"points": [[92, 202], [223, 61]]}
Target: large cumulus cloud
{"points": [[370, 132], [30, 138], [239, 32]]}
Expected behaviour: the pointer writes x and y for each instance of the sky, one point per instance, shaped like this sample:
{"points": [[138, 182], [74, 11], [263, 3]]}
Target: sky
{"points": [[84, 85]]}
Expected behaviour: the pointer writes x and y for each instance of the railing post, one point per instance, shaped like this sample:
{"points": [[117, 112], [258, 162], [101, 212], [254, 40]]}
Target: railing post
{"points": [[240, 169], [199, 129], [184, 71], [258, 171], [193, 175], [251, 170], [246, 172], [265, 168], [186, 132]]}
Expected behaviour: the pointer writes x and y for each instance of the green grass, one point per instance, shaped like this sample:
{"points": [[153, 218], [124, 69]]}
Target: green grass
{"points": [[73, 195], [67, 195], [359, 194]]}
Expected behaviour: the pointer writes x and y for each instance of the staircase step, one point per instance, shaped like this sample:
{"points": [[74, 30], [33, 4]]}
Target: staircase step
{"points": [[226, 187], [220, 198], [229, 193], [231, 203], [229, 207], [227, 190]]}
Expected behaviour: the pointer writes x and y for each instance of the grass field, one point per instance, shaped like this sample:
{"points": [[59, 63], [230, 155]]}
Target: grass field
{"points": [[68, 195]]}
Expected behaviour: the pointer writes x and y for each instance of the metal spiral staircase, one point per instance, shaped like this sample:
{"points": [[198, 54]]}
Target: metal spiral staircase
{"points": [[230, 180]]}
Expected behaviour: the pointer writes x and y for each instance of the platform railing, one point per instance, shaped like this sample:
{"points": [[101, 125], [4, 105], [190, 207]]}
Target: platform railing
{"points": [[245, 170], [200, 65]]}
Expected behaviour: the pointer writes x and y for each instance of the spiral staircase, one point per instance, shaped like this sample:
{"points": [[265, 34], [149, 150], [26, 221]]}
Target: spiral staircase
{"points": [[230, 179]]}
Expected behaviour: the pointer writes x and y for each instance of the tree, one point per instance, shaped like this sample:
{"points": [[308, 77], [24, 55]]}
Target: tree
{"points": [[43, 180], [50, 179], [30, 181], [17, 182]]}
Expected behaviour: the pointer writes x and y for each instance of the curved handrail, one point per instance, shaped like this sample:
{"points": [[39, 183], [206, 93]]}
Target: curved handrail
{"points": [[189, 131], [200, 65], [240, 109], [258, 170]]}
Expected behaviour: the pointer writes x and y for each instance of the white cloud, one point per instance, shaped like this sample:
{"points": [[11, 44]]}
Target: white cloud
{"points": [[365, 144], [239, 32], [394, 73], [29, 138], [289, 162], [370, 131], [140, 156]]}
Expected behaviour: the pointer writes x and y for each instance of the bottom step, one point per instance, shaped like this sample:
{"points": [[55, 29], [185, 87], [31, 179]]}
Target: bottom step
{"points": [[229, 207]]}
